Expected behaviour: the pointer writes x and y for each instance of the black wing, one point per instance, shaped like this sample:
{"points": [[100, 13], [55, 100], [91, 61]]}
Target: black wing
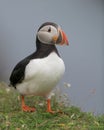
{"points": [[18, 72]]}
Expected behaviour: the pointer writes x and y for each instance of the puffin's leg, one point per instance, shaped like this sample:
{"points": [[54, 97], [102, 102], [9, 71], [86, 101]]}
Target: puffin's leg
{"points": [[24, 107], [49, 106]]}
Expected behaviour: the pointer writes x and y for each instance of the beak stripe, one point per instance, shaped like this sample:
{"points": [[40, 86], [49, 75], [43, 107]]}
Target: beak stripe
{"points": [[59, 40]]}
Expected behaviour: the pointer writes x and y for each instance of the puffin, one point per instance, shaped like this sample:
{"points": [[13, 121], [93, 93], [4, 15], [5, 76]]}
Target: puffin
{"points": [[39, 73]]}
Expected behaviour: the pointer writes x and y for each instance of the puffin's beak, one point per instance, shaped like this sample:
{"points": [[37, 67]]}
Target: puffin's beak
{"points": [[64, 39], [61, 39]]}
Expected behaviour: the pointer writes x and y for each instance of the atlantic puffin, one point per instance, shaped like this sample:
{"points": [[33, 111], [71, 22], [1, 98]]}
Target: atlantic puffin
{"points": [[40, 72]]}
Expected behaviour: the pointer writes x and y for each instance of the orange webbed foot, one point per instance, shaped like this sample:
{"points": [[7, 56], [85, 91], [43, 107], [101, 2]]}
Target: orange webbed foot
{"points": [[28, 109]]}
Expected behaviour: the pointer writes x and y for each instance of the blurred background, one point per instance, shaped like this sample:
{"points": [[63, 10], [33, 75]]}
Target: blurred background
{"points": [[82, 21]]}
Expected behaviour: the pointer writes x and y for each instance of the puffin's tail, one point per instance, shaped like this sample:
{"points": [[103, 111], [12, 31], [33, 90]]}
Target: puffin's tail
{"points": [[10, 85]]}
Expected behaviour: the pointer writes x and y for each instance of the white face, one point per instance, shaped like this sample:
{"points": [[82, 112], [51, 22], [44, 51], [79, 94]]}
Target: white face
{"points": [[46, 33]]}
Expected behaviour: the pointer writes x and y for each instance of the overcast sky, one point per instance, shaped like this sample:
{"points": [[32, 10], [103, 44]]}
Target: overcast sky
{"points": [[81, 20]]}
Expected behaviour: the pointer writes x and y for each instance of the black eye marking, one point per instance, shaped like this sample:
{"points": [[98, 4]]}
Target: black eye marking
{"points": [[49, 29]]}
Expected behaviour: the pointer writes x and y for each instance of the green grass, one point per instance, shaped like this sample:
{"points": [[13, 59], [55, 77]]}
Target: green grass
{"points": [[65, 118]]}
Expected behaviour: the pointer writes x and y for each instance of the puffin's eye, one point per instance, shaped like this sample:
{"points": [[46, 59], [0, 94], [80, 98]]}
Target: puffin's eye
{"points": [[49, 29]]}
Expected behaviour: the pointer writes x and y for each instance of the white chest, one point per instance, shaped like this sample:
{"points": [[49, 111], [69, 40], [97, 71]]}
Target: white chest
{"points": [[42, 75]]}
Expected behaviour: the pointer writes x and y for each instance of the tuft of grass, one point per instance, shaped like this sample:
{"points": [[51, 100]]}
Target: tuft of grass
{"points": [[65, 118]]}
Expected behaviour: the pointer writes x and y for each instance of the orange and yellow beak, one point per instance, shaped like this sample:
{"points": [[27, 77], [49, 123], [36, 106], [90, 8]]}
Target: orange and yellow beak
{"points": [[61, 39]]}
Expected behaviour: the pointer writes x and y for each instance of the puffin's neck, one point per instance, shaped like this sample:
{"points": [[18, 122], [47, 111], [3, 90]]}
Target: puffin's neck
{"points": [[45, 49]]}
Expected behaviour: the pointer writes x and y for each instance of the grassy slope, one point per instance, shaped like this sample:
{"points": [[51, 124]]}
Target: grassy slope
{"points": [[67, 118]]}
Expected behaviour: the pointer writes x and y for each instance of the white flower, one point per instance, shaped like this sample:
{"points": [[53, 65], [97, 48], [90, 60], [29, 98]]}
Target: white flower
{"points": [[67, 85]]}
